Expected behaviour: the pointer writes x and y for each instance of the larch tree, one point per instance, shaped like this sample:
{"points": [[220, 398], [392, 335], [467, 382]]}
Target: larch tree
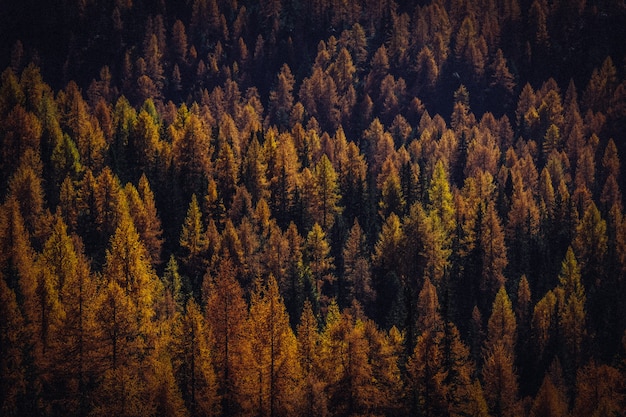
{"points": [[599, 390], [12, 346], [308, 338], [493, 252], [150, 228], [281, 97], [425, 367], [499, 375], [191, 151], [440, 199], [571, 301], [328, 193], [590, 246], [194, 242], [317, 255], [356, 282], [276, 372], [226, 317], [128, 265], [192, 360], [386, 262], [75, 342]]}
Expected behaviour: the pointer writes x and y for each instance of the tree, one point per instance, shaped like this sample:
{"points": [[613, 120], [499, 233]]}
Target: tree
{"points": [[500, 379], [590, 246], [194, 241], [274, 349], [599, 390], [571, 300], [550, 401], [150, 228], [356, 284], [502, 326], [110, 204], [492, 249], [281, 98], [440, 199], [191, 151], [192, 360], [426, 364], [128, 265], [73, 360], [314, 400], [226, 170], [179, 42], [501, 388], [12, 345], [226, 316], [145, 143], [328, 193], [317, 255]]}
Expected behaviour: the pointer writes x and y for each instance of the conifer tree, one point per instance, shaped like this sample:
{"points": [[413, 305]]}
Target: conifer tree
{"points": [[226, 316], [192, 361], [274, 349], [499, 375], [12, 346], [194, 241]]}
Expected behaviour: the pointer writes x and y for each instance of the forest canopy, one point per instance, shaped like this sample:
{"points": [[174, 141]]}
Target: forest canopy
{"points": [[316, 208]]}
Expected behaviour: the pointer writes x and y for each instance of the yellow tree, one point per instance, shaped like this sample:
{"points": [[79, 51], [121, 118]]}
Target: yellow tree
{"points": [[356, 284], [313, 398], [356, 381], [500, 379], [317, 256], [276, 372], [128, 265], [192, 360], [12, 345], [328, 193], [226, 316], [74, 357], [192, 151], [425, 367], [441, 201], [194, 242], [571, 301], [150, 227]]}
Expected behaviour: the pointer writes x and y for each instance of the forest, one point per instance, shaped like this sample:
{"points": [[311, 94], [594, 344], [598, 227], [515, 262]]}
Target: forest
{"points": [[312, 208]]}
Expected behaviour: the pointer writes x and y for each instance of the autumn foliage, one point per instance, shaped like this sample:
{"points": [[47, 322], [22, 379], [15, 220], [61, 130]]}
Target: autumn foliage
{"points": [[312, 208]]}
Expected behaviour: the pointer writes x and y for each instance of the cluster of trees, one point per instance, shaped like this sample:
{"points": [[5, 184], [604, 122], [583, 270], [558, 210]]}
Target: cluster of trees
{"points": [[314, 208]]}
